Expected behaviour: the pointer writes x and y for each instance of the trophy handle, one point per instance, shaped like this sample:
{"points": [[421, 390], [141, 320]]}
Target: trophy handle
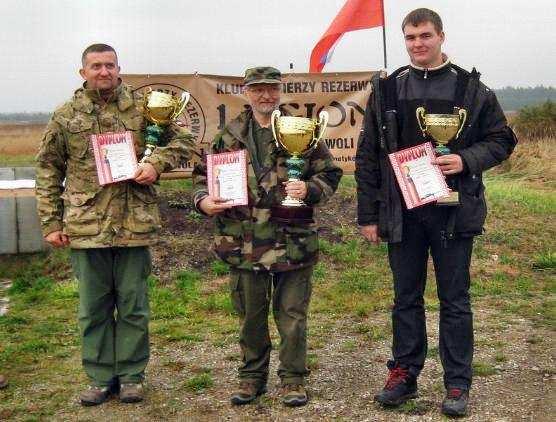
{"points": [[273, 120], [420, 112], [462, 117], [183, 102], [323, 122]]}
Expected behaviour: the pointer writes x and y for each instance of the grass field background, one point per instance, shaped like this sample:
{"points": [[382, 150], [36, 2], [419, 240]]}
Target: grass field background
{"points": [[513, 272]]}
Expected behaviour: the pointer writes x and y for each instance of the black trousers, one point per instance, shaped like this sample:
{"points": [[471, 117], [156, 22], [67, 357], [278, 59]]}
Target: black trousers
{"points": [[422, 232]]}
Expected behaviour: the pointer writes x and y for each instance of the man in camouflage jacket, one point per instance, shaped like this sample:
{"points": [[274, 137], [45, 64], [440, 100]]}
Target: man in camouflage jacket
{"points": [[108, 228], [262, 254]]}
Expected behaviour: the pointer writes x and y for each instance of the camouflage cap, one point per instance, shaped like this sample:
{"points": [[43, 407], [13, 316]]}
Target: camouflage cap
{"points": [[262, 75]]}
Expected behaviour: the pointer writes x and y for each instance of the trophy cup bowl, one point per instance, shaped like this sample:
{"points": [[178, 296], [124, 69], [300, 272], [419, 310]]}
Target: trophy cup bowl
{"points": [[160, 109], [298, 136], [442, 128]]}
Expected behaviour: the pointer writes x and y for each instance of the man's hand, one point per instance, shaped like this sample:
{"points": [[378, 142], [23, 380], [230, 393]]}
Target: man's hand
{"points": [[212, 206], [57, 239], [370, 233], [145, 174], [296, 189], [449, 164]]}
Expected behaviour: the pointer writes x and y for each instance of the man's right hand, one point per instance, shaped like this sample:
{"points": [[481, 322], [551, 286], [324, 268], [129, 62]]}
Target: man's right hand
{"points": [[370, 233], [212, 206], [57, 239]]}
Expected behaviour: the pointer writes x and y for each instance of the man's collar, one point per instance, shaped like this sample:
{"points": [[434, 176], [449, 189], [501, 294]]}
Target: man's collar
{"points": [[432, 71], [85, 98], [445, 62]]}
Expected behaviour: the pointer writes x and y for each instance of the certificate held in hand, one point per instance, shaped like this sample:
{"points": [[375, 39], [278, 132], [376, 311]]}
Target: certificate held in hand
{"points": [[227, 176], [115, 157], [419, 180]]}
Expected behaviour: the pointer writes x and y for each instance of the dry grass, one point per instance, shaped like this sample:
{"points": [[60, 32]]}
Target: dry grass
{"points": [[532, 159], [20, 139]]}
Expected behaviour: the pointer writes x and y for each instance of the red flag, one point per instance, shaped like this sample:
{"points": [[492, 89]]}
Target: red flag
{"points": [[355, 15]]}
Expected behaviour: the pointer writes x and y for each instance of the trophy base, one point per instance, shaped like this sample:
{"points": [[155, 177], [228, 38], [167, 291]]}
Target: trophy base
{"points": [[292, 215], [442, 150], [451, 200]]}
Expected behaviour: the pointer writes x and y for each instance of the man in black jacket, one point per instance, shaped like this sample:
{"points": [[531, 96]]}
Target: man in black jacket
{"points": [[432, 82]]}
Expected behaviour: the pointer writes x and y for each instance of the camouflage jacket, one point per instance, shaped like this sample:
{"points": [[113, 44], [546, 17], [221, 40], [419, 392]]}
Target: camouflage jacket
{"points": [[69, 197], [245, 237]]}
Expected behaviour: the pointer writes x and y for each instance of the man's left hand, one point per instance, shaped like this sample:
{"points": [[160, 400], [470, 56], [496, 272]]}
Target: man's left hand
{"points": [[296, 189], [146, 174], [449, 163]]}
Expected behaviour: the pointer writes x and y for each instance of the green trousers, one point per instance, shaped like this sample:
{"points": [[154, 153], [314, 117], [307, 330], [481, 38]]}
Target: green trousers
{"points": [[113, 312], [290, 293]]}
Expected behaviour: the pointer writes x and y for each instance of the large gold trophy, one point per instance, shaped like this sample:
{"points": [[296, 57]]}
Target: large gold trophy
{"points": [[443, 128], [161, 109], [298, 136]]}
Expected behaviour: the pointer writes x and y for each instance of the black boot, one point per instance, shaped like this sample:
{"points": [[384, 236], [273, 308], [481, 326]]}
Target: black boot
{"points": [[455, 402], [400, 387]]}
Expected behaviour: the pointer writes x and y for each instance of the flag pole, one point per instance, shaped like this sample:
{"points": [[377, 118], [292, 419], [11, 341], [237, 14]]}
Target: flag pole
{"points": [[384, 35]]}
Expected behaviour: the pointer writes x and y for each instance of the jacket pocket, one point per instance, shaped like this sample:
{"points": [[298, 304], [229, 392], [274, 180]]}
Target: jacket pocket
{"points": [[143, 214], [472, 211], [79, 137], [301, 243], [80, 214], [228, 240]]}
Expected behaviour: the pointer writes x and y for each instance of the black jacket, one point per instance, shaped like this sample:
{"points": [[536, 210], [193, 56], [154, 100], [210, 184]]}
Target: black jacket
{"points": [[485, 141]]}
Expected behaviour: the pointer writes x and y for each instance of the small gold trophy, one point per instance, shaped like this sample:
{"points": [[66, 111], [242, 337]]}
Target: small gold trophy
{"points": [[442, 128], [161, 109], [298, 136]]}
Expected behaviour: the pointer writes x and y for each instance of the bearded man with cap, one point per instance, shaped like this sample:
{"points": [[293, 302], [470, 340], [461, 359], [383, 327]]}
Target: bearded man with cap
{"points": [[268, 261]]}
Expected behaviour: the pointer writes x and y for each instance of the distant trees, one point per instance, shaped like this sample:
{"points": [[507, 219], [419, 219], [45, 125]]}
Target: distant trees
{"points": [[513, 99], [25, 117]]}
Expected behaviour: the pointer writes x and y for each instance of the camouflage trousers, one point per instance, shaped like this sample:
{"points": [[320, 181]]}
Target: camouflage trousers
{"points": [[290, 293], [113, 312]]}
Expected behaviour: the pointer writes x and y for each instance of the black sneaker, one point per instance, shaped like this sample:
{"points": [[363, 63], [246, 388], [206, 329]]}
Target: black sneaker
{"points": [[400, 387], [455, 402], [247, 392]]}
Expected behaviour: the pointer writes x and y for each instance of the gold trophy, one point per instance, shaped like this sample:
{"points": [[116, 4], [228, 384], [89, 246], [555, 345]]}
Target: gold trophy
{"points": [[298, 136], [443, 128], [161, 109]]}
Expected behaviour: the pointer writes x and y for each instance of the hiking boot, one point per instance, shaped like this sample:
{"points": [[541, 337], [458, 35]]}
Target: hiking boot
{"points": [[455, 402], [400, 387], [294, 395], [3, 382], [247, 392], [94, 395], [131, 393]]}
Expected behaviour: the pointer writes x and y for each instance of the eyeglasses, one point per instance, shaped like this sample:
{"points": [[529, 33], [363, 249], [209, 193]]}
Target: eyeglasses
{"points": [[260, 90]]}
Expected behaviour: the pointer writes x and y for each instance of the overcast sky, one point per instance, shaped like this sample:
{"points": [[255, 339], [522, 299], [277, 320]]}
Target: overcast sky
{"points": [[510, 42]]}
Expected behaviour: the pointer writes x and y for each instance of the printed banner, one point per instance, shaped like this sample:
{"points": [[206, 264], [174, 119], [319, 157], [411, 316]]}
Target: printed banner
{"points": [[215, 100]]}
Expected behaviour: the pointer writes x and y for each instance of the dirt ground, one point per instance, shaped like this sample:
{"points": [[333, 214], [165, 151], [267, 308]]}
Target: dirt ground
{"points": [[347, 368]]}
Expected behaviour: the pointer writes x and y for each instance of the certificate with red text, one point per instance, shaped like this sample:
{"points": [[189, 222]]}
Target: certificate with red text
{"points": [[114, 156], [227, 176], [419, 180]]}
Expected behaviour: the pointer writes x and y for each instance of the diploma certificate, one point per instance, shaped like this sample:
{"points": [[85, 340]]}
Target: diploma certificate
{"points": [[227, 176], [114, 156], [419, 180]]}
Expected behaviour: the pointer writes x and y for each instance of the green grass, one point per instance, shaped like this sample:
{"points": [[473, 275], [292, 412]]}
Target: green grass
{"points": [[17, 160], [483, 369], [521, 195], [39, 338], [198, 383]]}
